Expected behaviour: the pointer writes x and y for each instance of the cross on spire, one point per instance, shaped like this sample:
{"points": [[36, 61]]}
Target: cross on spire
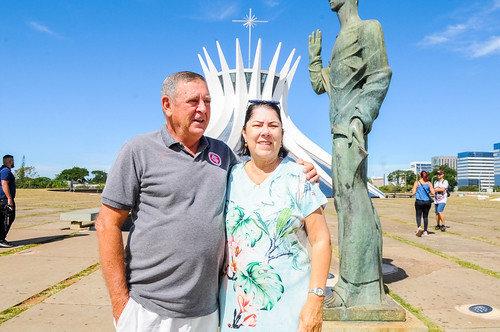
{"points": [[249, 21]]}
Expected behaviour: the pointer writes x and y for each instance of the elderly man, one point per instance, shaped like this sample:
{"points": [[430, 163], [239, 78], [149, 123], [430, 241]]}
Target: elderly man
{"points": [[174, 183]]}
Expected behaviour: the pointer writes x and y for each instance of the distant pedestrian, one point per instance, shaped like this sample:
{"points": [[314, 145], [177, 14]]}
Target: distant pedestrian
{"points": [[7, 195], [422, 190], [441, 189]]}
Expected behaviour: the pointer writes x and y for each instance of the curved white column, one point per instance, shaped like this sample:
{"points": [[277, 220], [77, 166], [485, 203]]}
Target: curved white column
{"points": [[232, 88]]}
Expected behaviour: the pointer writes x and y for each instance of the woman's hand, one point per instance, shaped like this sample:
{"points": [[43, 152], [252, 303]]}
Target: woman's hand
{"points": [[311, 315]]}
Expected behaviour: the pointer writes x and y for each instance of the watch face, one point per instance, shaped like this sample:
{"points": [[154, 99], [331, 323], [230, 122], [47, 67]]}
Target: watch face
{"points": [[317, 291]]}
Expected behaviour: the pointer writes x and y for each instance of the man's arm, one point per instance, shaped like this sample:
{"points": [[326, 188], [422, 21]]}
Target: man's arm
{"points": [[6, 191], [108, 226], [439, 189]]}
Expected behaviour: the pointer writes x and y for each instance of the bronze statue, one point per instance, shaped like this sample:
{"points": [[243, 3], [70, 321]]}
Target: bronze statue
{"points": [[356, 79]]}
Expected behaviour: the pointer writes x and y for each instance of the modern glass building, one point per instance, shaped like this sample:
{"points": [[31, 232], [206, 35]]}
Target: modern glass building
{"points": [[496, 156], [419, 166], [451, 161], [475, 169]]}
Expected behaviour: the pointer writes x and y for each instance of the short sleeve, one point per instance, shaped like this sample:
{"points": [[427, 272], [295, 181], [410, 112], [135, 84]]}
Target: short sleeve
{"points": [[122, 185], [310, 196], [4, 174]]}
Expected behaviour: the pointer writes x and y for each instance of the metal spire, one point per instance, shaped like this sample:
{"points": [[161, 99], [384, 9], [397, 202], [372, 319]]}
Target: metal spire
{"points": [[249, 21]]}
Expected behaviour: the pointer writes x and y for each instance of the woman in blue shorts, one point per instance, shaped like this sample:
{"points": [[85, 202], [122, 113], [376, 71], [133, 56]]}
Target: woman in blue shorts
{"points": [[441, 188]]}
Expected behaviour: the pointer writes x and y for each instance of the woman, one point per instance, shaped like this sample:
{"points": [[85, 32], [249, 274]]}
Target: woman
{"points": [[271, 212], [422, 190]]}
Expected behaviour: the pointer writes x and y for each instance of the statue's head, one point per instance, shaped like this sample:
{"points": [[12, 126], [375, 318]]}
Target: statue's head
{"points": [[337, 4]]}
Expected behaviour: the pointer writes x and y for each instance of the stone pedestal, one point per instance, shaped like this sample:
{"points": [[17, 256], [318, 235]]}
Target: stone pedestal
{"points": [[388, 311], [410, 323]]}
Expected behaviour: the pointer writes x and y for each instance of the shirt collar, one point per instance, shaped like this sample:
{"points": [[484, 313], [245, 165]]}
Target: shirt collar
{"points": [[170, 141]]}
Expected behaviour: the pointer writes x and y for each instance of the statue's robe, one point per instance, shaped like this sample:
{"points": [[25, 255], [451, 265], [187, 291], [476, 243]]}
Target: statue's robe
{"points": [[356, 79]]}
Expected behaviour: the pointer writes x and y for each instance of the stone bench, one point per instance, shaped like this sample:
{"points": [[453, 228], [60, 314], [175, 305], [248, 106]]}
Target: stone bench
{"points": [[80, 218], [87, 217]]}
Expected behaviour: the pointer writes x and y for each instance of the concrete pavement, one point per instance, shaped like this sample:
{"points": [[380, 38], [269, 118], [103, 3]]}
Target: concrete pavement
{"points": [[439, 276]]}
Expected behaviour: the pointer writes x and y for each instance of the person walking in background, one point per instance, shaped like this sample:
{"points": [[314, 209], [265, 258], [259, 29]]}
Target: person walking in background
{"points": [[422, 190], [441, 189], [7, 195]]}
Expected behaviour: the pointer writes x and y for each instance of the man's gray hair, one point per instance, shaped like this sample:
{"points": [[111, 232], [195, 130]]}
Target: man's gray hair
{"points": [[169, 87]]}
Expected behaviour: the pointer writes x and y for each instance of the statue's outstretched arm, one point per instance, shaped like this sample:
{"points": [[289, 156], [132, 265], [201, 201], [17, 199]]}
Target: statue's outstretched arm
{"points": [[318, 81]]}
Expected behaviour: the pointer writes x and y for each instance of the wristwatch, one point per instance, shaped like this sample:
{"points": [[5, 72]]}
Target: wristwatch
{"points": [[317, 291]]}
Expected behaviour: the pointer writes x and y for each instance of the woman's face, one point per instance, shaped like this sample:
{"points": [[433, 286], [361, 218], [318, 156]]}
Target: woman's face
{"points": [[264, 133]]}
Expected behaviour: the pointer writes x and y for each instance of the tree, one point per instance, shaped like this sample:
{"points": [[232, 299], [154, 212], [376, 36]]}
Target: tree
{"points": [[41, 182], [74, 174], [449, 174], [468, 188], [24, 175], [402, 178], [99, 177]]}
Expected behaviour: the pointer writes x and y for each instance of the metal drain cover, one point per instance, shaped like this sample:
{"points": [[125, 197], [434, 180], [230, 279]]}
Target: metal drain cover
{"points": [[480, 308]]}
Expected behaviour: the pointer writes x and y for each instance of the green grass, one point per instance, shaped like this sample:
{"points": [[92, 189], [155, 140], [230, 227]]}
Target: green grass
{"points": [[459, 261], [45, 294], [424, 319], [474, 238]]}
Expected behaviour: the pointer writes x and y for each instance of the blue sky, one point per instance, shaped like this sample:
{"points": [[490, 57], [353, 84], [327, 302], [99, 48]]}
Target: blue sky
{"points": [[79, 78]]}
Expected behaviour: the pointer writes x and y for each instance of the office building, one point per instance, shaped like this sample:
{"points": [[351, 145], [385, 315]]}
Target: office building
{"points": [[475, 169], [451, 161], [378, 181], [419, 166], [496, 156]]}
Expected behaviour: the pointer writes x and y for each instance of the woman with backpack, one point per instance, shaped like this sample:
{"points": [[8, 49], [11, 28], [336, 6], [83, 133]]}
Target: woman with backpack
{"points": [[422, 190]]}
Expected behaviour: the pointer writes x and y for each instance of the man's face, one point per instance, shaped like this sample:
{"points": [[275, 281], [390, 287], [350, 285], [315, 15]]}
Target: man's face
{"points": [[9, 163], [188, 113]]}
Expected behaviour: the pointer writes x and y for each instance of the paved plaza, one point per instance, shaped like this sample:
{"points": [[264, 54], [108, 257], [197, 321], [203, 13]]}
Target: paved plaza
{"points": [[54, 271]]}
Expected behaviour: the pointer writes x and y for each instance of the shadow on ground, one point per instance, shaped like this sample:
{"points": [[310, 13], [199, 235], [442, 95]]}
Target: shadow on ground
{"points": [[45, 239], [392, 273]]}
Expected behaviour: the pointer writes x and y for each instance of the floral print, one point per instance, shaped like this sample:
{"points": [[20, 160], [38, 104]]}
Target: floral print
{"points": [[267, 261]]}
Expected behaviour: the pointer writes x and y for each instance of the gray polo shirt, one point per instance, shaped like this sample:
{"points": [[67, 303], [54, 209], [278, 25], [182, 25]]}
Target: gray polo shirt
{"points": [[175, 248]]}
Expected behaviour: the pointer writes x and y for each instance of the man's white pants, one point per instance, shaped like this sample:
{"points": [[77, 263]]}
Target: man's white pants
{"points": [[135, 318]]}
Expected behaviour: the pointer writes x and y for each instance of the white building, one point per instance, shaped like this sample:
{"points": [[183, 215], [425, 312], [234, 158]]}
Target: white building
{"points": [[378, 181], [451, 161], [475, 169], [231, 89], [496, 156], [419, 166]]}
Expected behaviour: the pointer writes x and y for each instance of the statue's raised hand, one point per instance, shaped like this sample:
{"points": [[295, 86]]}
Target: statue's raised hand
{"points": [[315, 44]]}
